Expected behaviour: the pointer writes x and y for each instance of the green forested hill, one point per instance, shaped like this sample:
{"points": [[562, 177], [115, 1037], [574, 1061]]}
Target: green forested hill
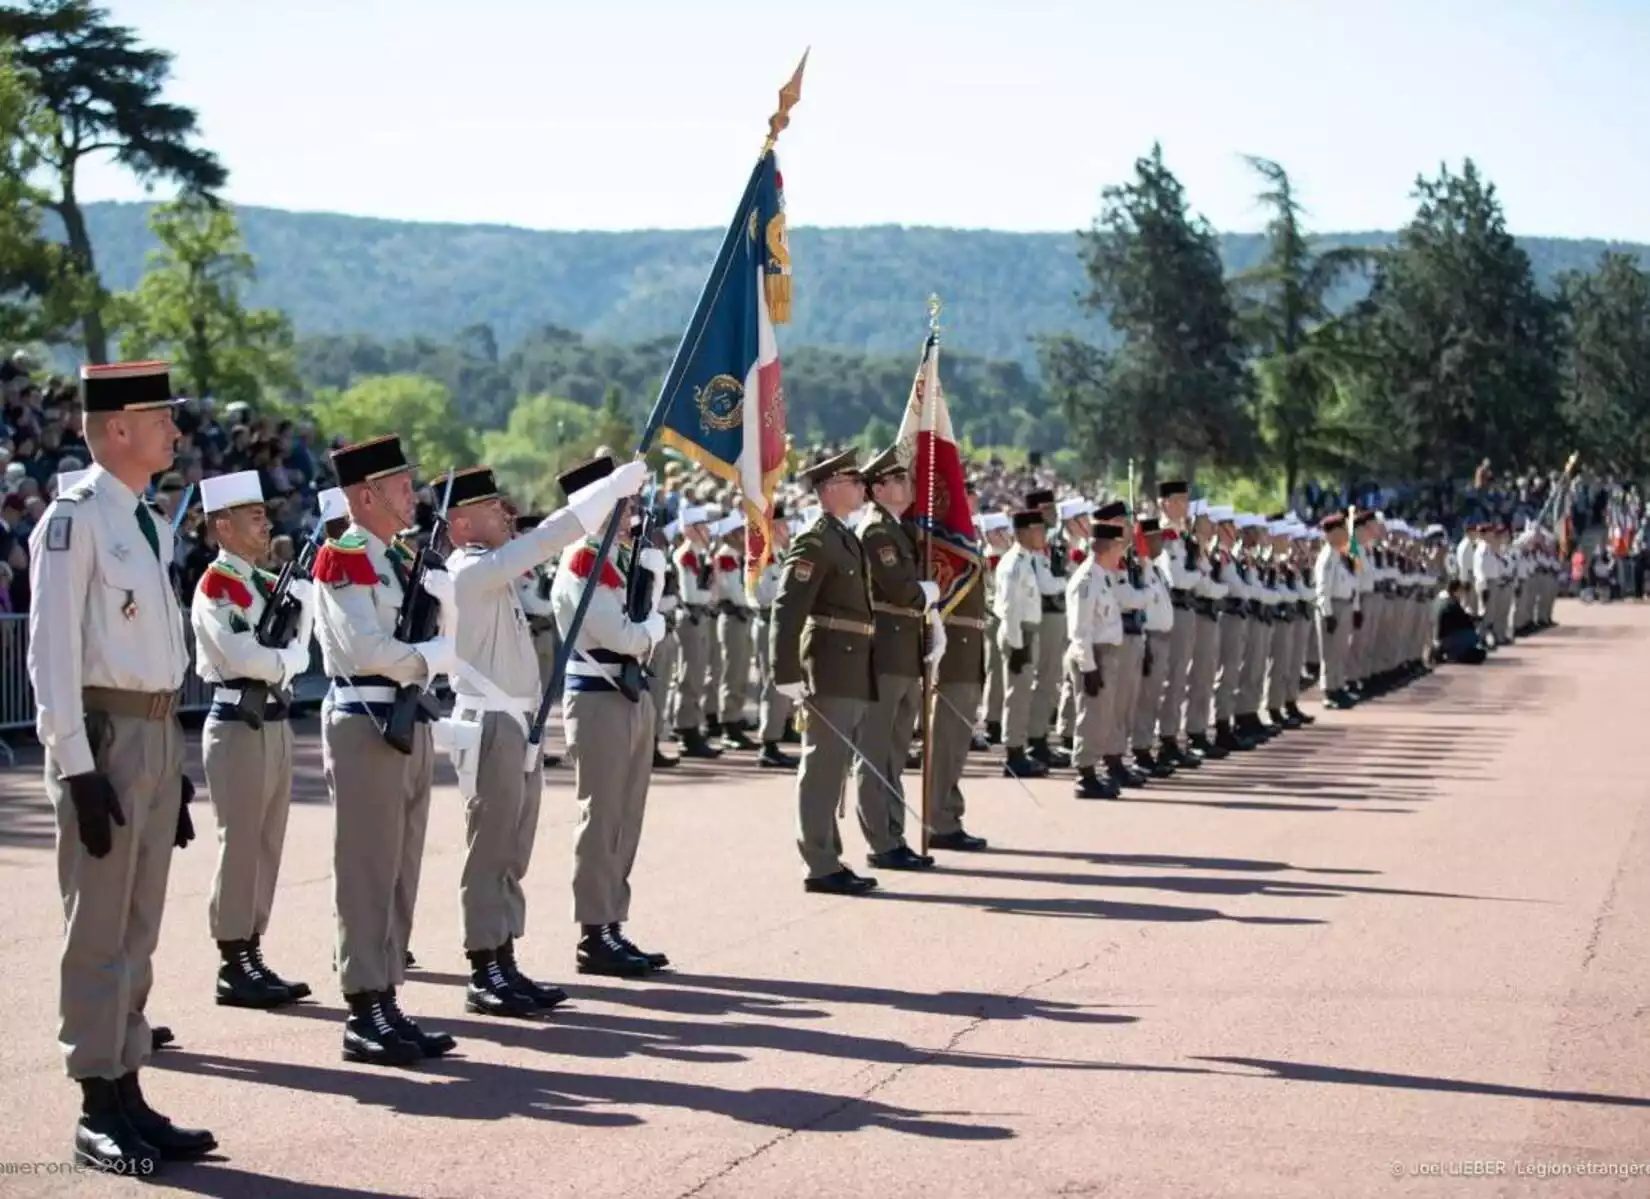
{"points": [[857, 289]]}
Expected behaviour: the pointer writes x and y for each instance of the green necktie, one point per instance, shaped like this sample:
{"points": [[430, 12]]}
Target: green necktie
{"points": [[147, 524]]}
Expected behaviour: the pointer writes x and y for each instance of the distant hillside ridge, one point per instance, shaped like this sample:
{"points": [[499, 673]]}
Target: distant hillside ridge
{"points": [[861, 289]]}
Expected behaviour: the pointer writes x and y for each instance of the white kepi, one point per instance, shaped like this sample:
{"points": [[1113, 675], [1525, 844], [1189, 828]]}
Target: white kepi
{"points": [[222, 492]]}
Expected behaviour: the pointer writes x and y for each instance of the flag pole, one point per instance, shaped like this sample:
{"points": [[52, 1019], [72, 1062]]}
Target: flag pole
{"points": [[928, 672], [788, 97]]}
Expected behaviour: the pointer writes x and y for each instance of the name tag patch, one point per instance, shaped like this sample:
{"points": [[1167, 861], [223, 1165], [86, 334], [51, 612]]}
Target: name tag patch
{"points": [[58, 529], [889, 555]]}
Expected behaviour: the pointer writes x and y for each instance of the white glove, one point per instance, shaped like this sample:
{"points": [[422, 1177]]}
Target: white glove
{"points": [[294, 661], [302, 591], [791, 691], [654, 626], [937, 650], [438, 584], [652, 559], [930, 593], [592, 503], [440, 656]]}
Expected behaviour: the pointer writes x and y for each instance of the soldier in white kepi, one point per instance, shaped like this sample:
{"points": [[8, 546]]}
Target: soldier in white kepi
{"points": [[380, 791], [107, 658], [610, 722], [247, 739], [496, 696]]}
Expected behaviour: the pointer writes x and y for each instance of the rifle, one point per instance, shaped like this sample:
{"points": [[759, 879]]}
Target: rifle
{"points": [[418, 620], [638, 599], [279, 623]]}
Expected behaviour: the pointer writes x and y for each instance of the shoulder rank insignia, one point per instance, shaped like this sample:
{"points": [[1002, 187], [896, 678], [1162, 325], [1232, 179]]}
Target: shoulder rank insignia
{"points": [[58, 529], [222, 584], [344, 561]]}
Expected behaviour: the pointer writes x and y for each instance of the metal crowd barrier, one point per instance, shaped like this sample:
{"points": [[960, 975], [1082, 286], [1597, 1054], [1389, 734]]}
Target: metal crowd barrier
{"points": [[17, 695]]}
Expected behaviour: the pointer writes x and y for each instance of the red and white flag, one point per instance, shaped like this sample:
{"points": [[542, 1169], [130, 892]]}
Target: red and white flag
{"points": [[944, 518]]}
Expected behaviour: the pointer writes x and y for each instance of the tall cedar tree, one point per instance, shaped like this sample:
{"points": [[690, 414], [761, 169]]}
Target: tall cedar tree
{"points": [[1607, 368], [1176, 389], [1462, 349], [105, 90], [1285, 314]]}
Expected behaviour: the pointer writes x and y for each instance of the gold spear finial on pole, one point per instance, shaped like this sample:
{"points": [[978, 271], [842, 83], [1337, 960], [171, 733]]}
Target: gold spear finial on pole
{"points": [[788, 96]]}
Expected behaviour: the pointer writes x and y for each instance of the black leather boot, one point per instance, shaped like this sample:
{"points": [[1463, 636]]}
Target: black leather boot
{"points": [[491, 992], [1054, 759], [542, 994], [599, 952], [733, 736], [370, 1035], [994, 732], [242, 984], [1020, 765], [1154, 767], [662, 760], [657, 961], [1294, 709], [430, 1044], [1199, 743], [694, 745], [774, 758], [104, 1138], [299, 990], [174, 1144], [1169, 749], [1120, 773], [1090, 785]]}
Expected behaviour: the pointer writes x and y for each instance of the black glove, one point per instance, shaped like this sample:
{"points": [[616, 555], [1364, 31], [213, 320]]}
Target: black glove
{"points": [[1146, 664], [95, 805], [1330, 624], [1018, 659], [1092, 682], [186, 826], [1357, 620]]}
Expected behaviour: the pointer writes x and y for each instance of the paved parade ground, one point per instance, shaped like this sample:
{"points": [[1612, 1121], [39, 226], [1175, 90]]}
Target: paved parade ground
{"points": [[1410, 939]]}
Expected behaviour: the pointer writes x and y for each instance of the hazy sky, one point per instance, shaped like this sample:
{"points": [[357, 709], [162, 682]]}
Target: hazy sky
{"points": [[618, 114]]}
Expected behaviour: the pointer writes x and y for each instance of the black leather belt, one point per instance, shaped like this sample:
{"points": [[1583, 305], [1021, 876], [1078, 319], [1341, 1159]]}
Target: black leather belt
{"points": [[1053, 604], [1134, 623]]}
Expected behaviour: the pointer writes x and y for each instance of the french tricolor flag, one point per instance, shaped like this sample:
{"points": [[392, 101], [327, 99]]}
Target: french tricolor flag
{"points": [[723, 405], [947, 552]]}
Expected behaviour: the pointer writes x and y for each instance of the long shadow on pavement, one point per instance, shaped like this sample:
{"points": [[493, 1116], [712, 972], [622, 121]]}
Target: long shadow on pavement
{"points": [[455, 1088], [1308, 1072]]}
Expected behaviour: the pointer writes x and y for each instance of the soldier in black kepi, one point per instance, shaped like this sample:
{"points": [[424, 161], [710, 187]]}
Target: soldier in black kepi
{"points": [[822, 635], [1049, 568]]}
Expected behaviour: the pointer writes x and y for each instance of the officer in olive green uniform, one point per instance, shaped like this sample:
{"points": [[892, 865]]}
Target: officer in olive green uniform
{"points": [[900, 601], [822, 635], [959, 685], [107, 657]]}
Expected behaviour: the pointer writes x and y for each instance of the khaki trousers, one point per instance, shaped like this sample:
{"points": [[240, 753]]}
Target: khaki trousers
{"points": [[1125, 689], [545, 645], [1282, 671], [1152, 687], [692, 634], [1177, 666], [249, 778], [953, 731], [883, 740], [112, 906], [773, 709], [1234, 638], [1046, 669], [662, 664], [501, 821], [713, 667], [734, 683], [826, 757], [1095, 713], [993, 710], [1200, 678], [381, 805], [1017, 691], [1336, 646], [1257, 653], [610, 742]]}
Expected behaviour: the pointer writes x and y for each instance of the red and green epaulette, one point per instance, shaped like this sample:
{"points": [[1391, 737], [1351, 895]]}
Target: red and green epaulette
{"points": [[344, 560], [222, 582]]}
